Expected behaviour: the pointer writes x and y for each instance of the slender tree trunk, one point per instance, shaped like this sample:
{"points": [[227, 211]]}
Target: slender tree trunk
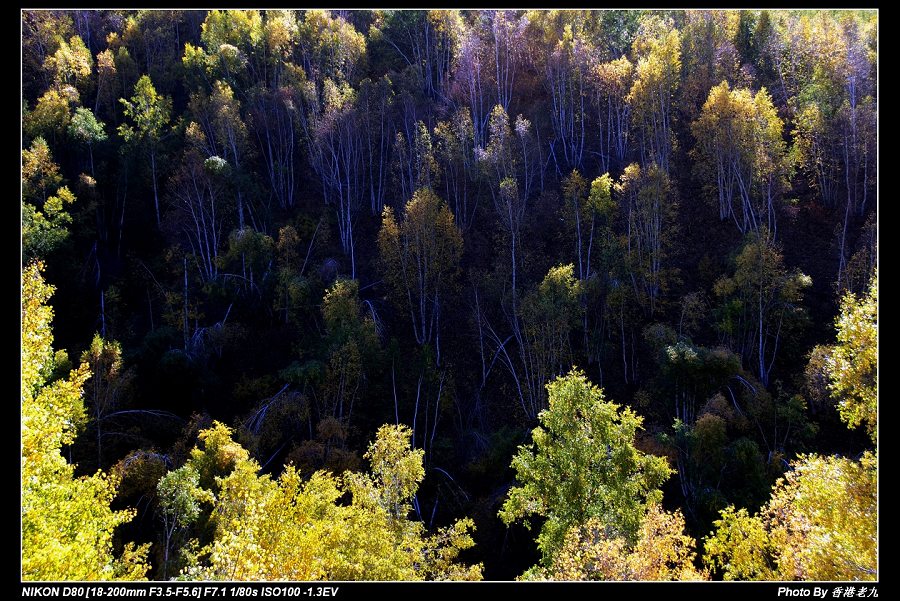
{"points": [[185, 321], [99, 432], [102, 314], [843, 258], [155, 191], [166, 553]]}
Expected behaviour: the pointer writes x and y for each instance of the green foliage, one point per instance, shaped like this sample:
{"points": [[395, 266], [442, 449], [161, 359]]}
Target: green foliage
{"points": [[239, 28], [352, 342], [180, 497], [45, 218], [740, 547], [108, 384], [550, 312], [331, 47], [344, 314], [148, 111], [396, 472], [39, 173], [761, 303], [648, 203], [85, 128], [292, 288], [600, 198], [656, 78], [44, 231], [821, 521], [583, 464]]}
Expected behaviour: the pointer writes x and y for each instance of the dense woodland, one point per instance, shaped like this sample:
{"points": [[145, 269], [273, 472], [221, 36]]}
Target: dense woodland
{"points": [[449, 295]]}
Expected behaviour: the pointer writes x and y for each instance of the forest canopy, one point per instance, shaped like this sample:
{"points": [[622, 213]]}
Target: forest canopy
{"points": [[449, 295]]}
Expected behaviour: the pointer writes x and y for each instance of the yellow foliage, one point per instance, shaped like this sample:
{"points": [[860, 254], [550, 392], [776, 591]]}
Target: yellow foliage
{"points": [[820, 524], [853, 363], [291, 529], [67, 523], [662, 552]]}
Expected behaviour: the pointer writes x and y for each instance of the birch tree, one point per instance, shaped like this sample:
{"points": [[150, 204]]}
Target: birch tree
{"points": [[652, 95], [150, 113], [420, 257], [742, 156], [67, 522]]}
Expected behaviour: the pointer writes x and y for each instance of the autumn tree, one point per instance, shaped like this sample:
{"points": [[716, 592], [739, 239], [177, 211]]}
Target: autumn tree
{"points": [[509, 171], [583, 464], [605, 258], [40, 174], [652, 95], [826, 68], [51, 114], [292, 287], [564, 59], [454, 149], [227, 133], [420, 257], [154, 40], [181, 500], [66, 67], [649, 209], [375, 102], [761, 303], [245, 61], [852, 364], [86, 129], [67, 522], [742, 157], [107, 385], [821, 521], [709, 54], [639, 193], [330, 52], [274, 115], [505, 31], [549, 313], [414, 160], [42, 32], [196, 190], [576, 210], [45, 204], [847, 372], [396, 472], [611, 83], [720, 445], [352, 340], [662, 552], [820, 524], [150, 113], [106, 80], [232, 46], [267, 528], [427, 42], [71, 64], [470, 76]]}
